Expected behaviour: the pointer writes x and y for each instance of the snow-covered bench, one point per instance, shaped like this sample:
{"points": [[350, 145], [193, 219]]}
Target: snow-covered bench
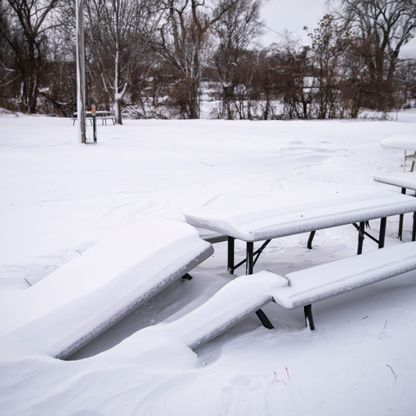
{"points": [[247, 294], [404, 181], [83, 298]]}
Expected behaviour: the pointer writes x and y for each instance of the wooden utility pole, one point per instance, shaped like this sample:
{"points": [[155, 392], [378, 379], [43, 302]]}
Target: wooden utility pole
{"points": [[80, 71]]}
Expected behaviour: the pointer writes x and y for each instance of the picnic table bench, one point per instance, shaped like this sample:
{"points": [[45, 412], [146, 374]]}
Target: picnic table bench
{"points": [[280, 221], [80, 300], [99, 115], [404, 181], [246, 294]]}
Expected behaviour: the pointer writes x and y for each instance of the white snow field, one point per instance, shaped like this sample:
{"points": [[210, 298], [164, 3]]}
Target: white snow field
{"points": [[59, 198]]}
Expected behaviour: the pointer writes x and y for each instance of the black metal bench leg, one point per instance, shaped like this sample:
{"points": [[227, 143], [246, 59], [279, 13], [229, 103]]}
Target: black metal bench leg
{"points": [[264, 319], [309, 317], [361, 238], [310, 239], [382, 234], [249, 270], [414, 227], [231, 249], [187, 276]]}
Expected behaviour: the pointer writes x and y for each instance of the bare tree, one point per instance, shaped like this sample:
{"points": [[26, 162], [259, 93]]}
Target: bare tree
{"points": [[329, 66], [235, 32], [183, 37], [26, 35], [381, 28], [118, 33]]}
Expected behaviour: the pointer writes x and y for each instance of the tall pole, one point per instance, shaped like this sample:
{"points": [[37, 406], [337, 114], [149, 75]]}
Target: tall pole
{"points": [[80, 71]]}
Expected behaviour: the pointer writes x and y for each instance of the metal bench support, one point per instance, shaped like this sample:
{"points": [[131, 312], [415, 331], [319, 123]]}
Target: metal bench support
{"points": [[310, 239], [187, 276]]}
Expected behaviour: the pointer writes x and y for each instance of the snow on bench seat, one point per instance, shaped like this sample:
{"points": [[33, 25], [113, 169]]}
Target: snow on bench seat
{"points": [[247, 294], [228, 306], [80, 300], [327, 280], [403, 180], [279, 219]]}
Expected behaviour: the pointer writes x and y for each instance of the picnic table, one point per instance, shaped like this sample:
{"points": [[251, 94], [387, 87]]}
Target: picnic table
{"points": [[407, 145], [280, 220], [100, 115]]}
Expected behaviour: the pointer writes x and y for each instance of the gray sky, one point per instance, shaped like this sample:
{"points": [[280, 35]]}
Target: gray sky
{"points": [[293, 15]]}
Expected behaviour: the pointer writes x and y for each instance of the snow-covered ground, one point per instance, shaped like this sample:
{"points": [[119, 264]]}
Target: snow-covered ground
{"points": [[57, 198]]}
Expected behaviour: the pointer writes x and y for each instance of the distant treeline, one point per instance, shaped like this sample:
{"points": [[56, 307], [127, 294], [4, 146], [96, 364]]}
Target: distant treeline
{"points": [[158, 58]]}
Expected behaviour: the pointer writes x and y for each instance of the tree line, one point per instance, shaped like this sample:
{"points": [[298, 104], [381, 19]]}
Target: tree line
{"points": [[160, 59]]}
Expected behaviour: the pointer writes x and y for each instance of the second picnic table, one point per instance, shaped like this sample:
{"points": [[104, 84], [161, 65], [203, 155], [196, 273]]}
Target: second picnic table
{"points": [[282, 220]]}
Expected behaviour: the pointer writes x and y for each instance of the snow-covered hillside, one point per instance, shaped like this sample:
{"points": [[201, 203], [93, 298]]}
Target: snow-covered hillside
{"points": [[58, 197]]}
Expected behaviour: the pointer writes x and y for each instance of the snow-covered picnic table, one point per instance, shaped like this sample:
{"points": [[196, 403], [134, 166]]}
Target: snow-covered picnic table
{"points": [[280, 219], [404, 143]]}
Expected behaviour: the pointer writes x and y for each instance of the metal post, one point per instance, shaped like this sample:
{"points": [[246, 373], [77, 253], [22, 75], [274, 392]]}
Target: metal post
{"points": [[80, 71], [249, 270], [94, 121], [361, 238], [231, 249], [382, 233]]}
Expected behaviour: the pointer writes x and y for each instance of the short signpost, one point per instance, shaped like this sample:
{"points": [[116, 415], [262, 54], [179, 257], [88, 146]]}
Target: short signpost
{"points": [[94, 121]]}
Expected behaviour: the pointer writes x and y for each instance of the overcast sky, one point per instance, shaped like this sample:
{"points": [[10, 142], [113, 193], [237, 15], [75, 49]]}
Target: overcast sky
{"points": [[293, 15]]}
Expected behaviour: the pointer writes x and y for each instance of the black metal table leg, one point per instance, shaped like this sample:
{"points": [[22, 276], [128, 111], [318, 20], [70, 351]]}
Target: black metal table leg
{"points": [[307, 310], [401, 219], [414, 227], [361, 238], [231, 247], [382, 234], [250, 258], [249, 270]]}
